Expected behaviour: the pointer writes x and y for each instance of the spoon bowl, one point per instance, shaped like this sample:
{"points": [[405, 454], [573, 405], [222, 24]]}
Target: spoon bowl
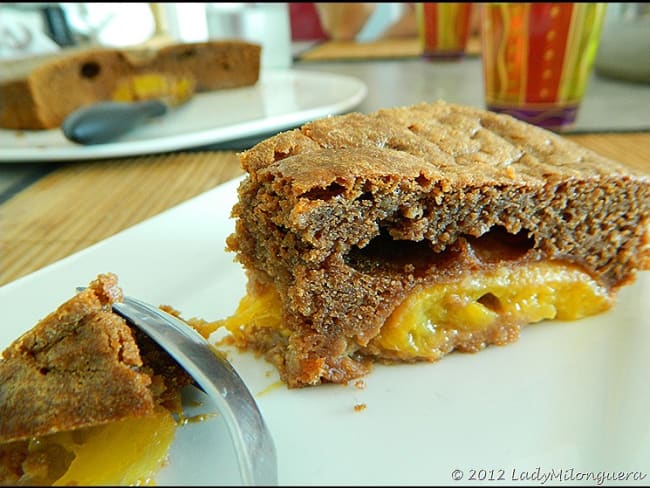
{"points": [[213, 373]]}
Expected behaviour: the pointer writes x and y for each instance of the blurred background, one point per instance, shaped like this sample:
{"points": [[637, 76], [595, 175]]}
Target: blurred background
{"points": [[36, 28], [282, 28]]}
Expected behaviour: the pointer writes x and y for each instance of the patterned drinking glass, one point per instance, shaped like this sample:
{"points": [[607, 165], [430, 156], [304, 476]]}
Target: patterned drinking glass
{"points": [[538, 57], [443, 29]]}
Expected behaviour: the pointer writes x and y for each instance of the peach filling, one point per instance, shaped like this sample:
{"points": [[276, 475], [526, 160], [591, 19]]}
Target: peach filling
{"points": [[152, 85], [437, 319], [126, 452], [260, 312], [486, 307]]}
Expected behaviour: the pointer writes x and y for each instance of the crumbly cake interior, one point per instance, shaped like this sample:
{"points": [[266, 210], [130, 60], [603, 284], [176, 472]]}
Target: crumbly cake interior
{"points": [[341, 222], [81, 368]]}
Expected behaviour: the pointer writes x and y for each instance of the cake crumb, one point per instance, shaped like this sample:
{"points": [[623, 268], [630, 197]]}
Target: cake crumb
{"points": [[360, 407], [360, 385]]}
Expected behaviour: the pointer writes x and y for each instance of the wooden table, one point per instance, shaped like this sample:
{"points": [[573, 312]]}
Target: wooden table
{"points": [[406, 47], [81, 203]]}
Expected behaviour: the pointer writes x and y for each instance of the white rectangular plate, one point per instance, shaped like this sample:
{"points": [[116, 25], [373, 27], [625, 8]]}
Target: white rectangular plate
{"points": [[567, 398]]}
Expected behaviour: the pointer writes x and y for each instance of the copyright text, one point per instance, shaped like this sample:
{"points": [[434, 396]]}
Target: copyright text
{"points": [[542, 476]]}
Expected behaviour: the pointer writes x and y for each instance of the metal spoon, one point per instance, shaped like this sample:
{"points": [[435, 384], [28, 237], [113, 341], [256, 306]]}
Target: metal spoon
{"points": [[144, 96], [216, 376], [105, 121]]}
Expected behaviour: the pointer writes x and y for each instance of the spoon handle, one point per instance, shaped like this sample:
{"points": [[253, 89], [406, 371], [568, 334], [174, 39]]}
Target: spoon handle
{"points": [[105, 121]]}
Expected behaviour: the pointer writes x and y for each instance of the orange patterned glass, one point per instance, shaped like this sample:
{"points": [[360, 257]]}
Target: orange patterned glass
{"points": [[443, 28], [537, 58]]}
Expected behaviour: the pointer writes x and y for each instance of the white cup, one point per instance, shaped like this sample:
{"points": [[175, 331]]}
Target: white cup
{"points": [[624, 50], [266, 24]]}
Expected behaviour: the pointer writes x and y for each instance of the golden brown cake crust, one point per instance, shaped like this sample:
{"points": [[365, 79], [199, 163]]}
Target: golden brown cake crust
{"points": [[80, 366], [40, 92], [431, 176], [436, 165]]}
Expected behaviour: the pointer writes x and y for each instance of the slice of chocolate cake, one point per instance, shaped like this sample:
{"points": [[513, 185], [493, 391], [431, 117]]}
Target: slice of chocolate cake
{"points": [[412, 232], [39, 92]]}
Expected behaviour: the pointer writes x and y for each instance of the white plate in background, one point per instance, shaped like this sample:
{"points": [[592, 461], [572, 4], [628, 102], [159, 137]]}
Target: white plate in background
{"points": [[568, 399], [280, 100]]}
